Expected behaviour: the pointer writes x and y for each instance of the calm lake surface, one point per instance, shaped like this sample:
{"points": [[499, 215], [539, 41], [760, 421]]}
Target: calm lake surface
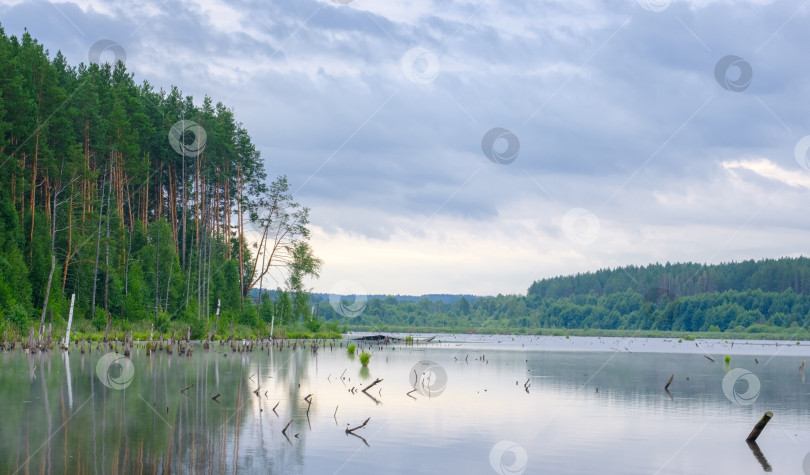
{"points": [[482, 404]]}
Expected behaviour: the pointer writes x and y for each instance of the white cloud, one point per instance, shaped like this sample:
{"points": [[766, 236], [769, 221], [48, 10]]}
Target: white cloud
{"points": [[768, 169]]}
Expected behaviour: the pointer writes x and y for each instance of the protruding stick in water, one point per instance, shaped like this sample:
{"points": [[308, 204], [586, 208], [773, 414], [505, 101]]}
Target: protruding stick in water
{"points": [[752, 437]]}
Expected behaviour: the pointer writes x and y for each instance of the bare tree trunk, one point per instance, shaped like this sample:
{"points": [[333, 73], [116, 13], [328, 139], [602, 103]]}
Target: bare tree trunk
{"points": [[185, 205], [53, 261], [197, 203], [70, 238], [169, 284], [127, 258], [157, 269], [34, 187], [47, 295], [107, 251], [98, 251], [107, 259], [240, 239]]}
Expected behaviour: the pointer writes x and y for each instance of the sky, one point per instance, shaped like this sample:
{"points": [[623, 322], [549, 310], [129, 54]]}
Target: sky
{"points": [[449, 146]]}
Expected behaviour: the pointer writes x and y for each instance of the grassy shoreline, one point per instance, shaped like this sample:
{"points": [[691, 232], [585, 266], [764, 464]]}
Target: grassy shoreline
{"points": [[141, 332]]}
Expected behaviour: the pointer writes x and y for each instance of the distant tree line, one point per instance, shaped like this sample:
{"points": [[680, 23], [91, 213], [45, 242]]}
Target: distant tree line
{"points": [[749, 295]]}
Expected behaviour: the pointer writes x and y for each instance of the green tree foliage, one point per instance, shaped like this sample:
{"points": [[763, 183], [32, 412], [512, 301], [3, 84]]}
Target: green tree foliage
{"points": [[771, 294], [90, 169]]}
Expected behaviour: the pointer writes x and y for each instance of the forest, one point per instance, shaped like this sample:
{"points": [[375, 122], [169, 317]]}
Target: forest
{"points": [[769, 296], [155, 211], [150, 207]]}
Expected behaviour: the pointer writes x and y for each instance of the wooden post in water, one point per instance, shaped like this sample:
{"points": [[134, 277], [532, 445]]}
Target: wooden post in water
{"points": [[70, 322], [666, 387], [272, 322], [216, 320], [752, 437]]}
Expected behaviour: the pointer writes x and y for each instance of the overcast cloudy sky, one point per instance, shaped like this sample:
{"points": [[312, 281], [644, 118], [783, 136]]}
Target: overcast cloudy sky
{"points": [[625, 132]]}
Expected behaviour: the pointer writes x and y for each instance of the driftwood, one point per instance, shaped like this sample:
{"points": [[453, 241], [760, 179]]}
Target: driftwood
{"points": [[409, 393], [187, 388], [709, 358], [666, 386], [365, 391], [378, 380], [349, 431], [752, 437], [284, 431]]}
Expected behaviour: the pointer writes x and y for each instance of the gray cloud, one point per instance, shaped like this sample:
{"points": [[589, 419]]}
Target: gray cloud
{"points": [[617, 110]]}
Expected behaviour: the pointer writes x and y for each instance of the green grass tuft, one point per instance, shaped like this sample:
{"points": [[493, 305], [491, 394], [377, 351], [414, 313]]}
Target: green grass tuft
{"points": [[365, 357]]}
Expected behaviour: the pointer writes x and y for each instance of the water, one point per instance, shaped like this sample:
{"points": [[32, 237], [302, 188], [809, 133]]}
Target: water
{"points": [[592, 406]]}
